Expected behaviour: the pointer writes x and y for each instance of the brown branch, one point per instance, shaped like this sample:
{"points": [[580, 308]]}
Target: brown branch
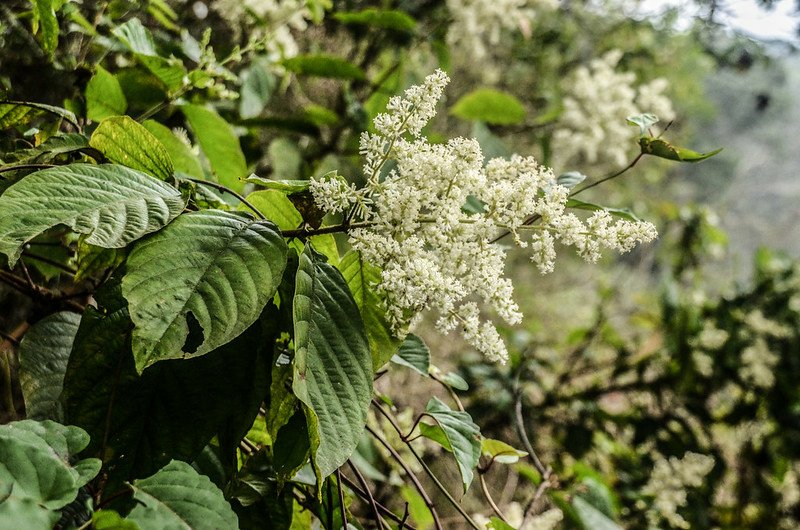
{"points": [[386, 511], [342, 507], [372, 503]]}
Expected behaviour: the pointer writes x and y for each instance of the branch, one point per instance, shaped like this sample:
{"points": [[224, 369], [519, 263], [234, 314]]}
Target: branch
{"points": [[373, 504], [225, 189], [389, 513]]}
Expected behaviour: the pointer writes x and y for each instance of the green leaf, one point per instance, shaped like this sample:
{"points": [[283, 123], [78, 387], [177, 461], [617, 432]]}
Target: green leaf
{"points": [[414, 354], [276, 207], [19, 511], [332, 365], [390, 19], [454, 380], [54, 146], [285, 158], [462, 435], [112, 204], [43, 355], [663, 149], [111, 520], [179, 497], [10, 113], [570, 179], [174, 408], [35, 459], [124, 141], [104, 96], [182, 157], [363, 278], [490, 106], [643, 121], [590, 517], [501, 452], [139, 40], [219, 144], [199, 283], [286, 186], [44, 15], [624, 213], [324, 66], [495, 523], [258, 84], [417, 509], [136, 37]]}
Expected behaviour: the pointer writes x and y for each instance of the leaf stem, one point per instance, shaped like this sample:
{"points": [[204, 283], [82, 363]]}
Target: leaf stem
{"points": [[225, 189]]}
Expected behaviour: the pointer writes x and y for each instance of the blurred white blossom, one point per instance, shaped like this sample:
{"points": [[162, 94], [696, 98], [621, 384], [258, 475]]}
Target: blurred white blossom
{"points": [[515, 513], [434, 254], [668, 483], [598, 99]]}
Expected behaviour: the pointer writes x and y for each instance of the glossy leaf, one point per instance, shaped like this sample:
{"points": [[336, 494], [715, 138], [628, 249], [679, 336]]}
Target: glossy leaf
{"points": [[199, 283], [124, 141], [43, 355], [489, 106], [179, 497], [462, 435], [324, 66], [219, 144], [104, 96], [111, 204], [414, 354], [363, 278], [332, 365]]}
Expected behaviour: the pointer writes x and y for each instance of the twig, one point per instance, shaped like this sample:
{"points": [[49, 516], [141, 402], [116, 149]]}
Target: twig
{"points": [[389, 513], [341, 499], [405, 517], [372, 503], [450, 391], [413, 477], [427, 469], [38, 292], [226, 189], [489, 499]]}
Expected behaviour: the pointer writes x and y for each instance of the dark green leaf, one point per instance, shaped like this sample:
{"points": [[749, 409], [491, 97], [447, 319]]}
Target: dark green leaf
{"points": [[170, 411], [363, 278], [219, 144], [332, 365], [489, 106], [462, 435], [324, 66], [414, 354], [124, 141], [112, 204], [178, 497], [104, 96], [43, 356], [199, 283]]}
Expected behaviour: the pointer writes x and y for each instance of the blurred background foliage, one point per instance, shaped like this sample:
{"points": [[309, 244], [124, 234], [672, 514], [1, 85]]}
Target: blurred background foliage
{"points": [[622, 376]]}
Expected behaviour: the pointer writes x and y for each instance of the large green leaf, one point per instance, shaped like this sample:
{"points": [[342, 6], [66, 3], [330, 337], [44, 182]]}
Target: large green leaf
{"points": [[199, 283], [124, 141], [104, 96], [112, 204], [174, 408], [182, 157], [35, 458], [462, 435], [179, 497], [219, 144], [489, 106], [43, 356], [363, 278], [20, 511], [332, 365], [275, 206]]}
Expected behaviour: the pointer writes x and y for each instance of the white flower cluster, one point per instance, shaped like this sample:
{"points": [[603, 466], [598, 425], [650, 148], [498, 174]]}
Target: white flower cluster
{"points": [[278, 17], [600, 97], [433, 253], [668, 483], [478, 24]]}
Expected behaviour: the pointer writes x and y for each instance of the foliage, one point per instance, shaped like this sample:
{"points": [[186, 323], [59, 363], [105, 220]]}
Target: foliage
{"points": [[216, 285]]}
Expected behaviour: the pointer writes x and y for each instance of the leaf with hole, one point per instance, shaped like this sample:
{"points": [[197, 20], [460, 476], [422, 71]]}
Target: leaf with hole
{"points": [[199, 283], [111, 204]]}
